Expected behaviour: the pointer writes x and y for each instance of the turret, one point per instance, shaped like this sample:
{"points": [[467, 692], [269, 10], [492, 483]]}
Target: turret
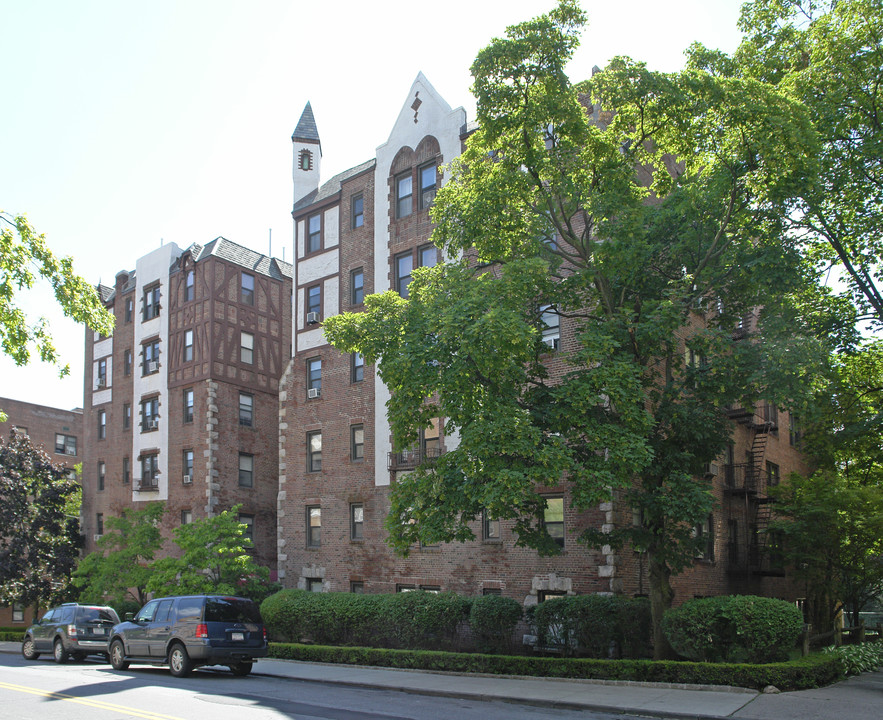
{"points": [[307, 151]]}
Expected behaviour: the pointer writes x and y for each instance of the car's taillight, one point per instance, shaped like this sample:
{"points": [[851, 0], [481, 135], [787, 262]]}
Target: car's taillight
{"points": [[265, 635], [202, 630], [71, 631]]}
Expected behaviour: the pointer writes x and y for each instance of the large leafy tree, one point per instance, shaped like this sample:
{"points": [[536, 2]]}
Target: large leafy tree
{"points": [[39, 526], [118, 571], [649, 233]]}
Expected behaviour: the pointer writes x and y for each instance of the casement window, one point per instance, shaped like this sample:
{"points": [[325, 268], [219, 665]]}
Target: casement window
{"points": [[358, 206], [704, 534], [553, 519], [314, 526], [188, 405], [246, 289], [357, 442], [186, 517], [150, 358], [102, 472], [550, 326], [150, 414], [404, 195], [314, 451], [427, 256], [490, 527], [428, 180], [771, 416], [130, 309], [314, 233], [102, 424], [313, 584], [99, 523], [126, 471], [358, 367], [246, 409], [188, 346], [127, 416], [246, 470], [357, 587], [189, 288], [150, 471], [65, 444], [151, 302], [404, 265], [127, 363], [357, 521], [246, 348], [187, 465], [772, 473], [247, 519], [102, 373], [314, 304], [314, 377], [357, 287]]}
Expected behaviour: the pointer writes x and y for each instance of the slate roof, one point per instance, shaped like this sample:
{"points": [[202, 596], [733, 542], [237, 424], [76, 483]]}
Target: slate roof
{"points": [[306, 129], [228, 250], [332, 187]]}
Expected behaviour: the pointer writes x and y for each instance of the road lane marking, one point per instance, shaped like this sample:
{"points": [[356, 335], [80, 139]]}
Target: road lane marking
{"points": [[101, 705]]}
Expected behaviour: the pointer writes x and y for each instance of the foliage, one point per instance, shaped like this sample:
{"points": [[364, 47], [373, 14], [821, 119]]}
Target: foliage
{"points": [[22, 260], [119, 569], [214, 559], [492, 620], [809, 672], [39, 526], [856, 659], [649, 272], [721, 629]]}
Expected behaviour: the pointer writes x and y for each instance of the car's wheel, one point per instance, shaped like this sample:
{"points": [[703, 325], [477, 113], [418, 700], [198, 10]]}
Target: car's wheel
{"points": [[118, 656], [28, 649], [180, 663], [241, 668], [59, 652]]}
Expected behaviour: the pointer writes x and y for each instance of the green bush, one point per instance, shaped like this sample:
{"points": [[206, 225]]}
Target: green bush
{"points": [[733, 627], [493, 619]]}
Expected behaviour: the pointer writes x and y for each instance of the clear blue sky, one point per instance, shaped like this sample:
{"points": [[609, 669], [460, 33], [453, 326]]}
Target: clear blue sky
{"points": [[128, 124]]}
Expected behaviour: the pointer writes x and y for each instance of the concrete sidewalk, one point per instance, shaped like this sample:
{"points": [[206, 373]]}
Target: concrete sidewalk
{"points": [[859, 698]]}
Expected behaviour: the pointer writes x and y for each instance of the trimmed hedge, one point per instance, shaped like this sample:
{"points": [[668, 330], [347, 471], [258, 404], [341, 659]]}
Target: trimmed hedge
{"points": [[493, 619], [12, 635], [809, 672]]}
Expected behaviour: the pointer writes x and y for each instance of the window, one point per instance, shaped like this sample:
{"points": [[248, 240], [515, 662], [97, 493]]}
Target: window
{"points": [[404, 266], [149, 414], [127, 416], [102, 471], [126, 471], [550, 326], [246, 348], [314, 376], [188, 405], [771, 416], [772, 473], [358, 205], [99, 523], [357, 287], [427, 256], [305, 160], [189, 293], [18, 613], [65, 444], [490, 527], [428, 175], [314, 303], [553, 519], [357, 442], [188, 345], [102, 373], [150, 355], [491, 591], [704, 534], [357, 587], [248, 531], [544, 595], [149, 471], [186, 517], [314, 233], [314, 584], [187, 464], [404, 195], [102, 424], [358, 367], [246, 470], [127, 363], [246, 409], [733, 541], [130, 307], [357, 521], [151, 302], [314, 526], [794, 432], [246, 294], [314, 451], [402, 587]]}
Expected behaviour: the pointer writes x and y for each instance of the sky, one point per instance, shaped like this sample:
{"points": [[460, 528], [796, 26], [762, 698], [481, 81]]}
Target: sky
{"points": [[127, 125]]}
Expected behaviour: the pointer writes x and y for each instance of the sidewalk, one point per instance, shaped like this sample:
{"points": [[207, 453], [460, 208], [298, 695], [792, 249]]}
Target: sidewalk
{"points": [[859, 698]]}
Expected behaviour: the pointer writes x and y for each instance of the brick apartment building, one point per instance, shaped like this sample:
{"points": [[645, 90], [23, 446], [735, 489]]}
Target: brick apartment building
{"points": [[181, 403], [57, 432], [362, 232]]}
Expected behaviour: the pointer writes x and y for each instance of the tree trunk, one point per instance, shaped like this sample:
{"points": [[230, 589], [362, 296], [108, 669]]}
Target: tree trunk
{"points": [[661, 596]]}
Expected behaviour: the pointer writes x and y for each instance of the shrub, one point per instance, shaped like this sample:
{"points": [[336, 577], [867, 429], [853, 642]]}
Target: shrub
{"points": [[745, 627], [856, 659], [493, 619]]}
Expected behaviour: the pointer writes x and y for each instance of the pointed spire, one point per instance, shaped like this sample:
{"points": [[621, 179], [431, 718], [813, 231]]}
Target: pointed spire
{"points": [[306, 130]]}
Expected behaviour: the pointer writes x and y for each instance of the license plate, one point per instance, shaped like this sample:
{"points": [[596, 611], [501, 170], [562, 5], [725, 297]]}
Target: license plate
{"points": [[237, 636], [99, 631]]}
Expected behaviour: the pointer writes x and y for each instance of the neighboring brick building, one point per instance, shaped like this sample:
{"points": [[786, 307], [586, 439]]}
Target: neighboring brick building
{"points": [[181, 403], [60, 434], [362, 232]]}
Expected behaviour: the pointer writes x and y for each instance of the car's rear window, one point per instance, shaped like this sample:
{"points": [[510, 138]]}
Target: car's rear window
{"points": [[231, 609], [98, 614]]}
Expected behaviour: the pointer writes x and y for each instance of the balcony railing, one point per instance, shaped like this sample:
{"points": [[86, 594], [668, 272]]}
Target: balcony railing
{"points": [[410, 459]]}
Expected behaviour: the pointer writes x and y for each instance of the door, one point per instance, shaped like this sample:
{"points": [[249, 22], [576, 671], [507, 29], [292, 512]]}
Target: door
{"points": [[160, 628], [43, 631], [136, 633]]}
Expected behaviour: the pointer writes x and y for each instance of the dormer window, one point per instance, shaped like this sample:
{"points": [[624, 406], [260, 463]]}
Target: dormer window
{"points": [[305, 160]]}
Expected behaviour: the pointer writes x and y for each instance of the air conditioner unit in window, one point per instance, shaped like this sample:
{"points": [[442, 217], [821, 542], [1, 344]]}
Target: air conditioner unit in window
{"points": [[711, 470], [96, 537], [313, 392], [188, 479], [312, 318], [153, 366], [102, 383], [152, 424]]}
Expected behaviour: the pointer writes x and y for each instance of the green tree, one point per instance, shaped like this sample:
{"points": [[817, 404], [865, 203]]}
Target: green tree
{"points": [[119, 570], [39, 526], [547, 221], [214, 559]]}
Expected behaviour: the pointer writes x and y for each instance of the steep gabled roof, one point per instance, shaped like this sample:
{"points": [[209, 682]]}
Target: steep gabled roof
{"points": [[230, 251]]}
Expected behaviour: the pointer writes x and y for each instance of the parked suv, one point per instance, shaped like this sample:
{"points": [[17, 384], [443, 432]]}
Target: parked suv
{"points": [[188, 631], [70, 630]]}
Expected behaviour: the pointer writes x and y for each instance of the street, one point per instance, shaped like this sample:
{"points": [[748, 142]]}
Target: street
{"points": [[92, 690]]}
